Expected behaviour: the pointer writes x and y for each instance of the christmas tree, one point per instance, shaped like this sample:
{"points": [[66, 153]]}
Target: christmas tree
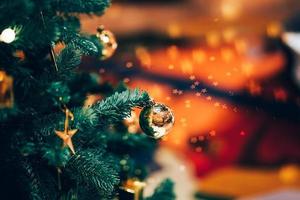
{"points": [[53, 145]]}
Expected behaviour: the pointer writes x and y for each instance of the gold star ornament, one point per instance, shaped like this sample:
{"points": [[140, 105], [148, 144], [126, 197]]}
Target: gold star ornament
{"points": [[66, 135]]}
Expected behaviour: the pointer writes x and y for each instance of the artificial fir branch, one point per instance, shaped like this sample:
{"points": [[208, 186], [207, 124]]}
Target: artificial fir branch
{"points": [[94, 170], [83, 6], [111, 110], [68, 58], [119, 105], [37, 181]]}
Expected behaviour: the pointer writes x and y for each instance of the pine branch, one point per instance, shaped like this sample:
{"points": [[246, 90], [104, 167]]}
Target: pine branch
{"points": [[119, 105], [93, 169], [164, 191], [83, 6], [111, 110], [68, 58], [39, 188], [85, 44]]}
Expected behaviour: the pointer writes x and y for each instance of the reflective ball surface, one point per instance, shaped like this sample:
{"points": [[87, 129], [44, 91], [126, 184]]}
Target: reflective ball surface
{"points": [[157, 120]]}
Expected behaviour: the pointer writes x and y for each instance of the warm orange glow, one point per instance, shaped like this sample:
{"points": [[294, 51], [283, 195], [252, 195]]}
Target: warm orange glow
{"points": [[224, 67], [174, 30], [213, 39], [193, 114], [143, 56], [274, 29], [230, 9]]}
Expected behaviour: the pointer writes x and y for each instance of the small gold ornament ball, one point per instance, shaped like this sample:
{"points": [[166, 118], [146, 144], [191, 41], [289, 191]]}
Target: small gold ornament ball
{"points": [[157, 120], [108, 42]]}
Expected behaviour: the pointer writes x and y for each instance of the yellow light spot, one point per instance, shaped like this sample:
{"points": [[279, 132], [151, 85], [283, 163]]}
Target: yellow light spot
{"points": [[229, 34], [289, 174], [143, 56], [228, 73], [247, 69], [217, 104], [230, 9], [187, 101], [173, 52], [240, 46], [199, 56], [182, 120], [274, 29], [192, 77], [212, 58], [170, 67], [186, 66], [174, 30], [215, 83], [213, 39], [227, 54]]}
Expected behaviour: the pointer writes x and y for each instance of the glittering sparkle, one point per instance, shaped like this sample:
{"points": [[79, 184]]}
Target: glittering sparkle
{"points": [[209, 98], [217, 104], [192, 77], [224, 106], [171, 67], [204, 90], [198, 94], [215, 83]]}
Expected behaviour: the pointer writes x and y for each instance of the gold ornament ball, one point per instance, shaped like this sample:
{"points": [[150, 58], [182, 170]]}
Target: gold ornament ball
{"points": [[108, 42], [157, 120]]}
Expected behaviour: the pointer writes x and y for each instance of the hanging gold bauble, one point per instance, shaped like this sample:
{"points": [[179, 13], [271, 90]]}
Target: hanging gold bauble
{"points": [[156, 120], [108, 42]]}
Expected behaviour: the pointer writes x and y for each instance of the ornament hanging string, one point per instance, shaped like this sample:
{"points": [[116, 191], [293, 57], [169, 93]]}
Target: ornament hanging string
{"points": [[65, 135], [51, 48]]}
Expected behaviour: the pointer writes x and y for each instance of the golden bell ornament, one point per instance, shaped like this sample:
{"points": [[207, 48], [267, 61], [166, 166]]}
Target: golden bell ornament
{"points": [[6, 90], [108, 42]]}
